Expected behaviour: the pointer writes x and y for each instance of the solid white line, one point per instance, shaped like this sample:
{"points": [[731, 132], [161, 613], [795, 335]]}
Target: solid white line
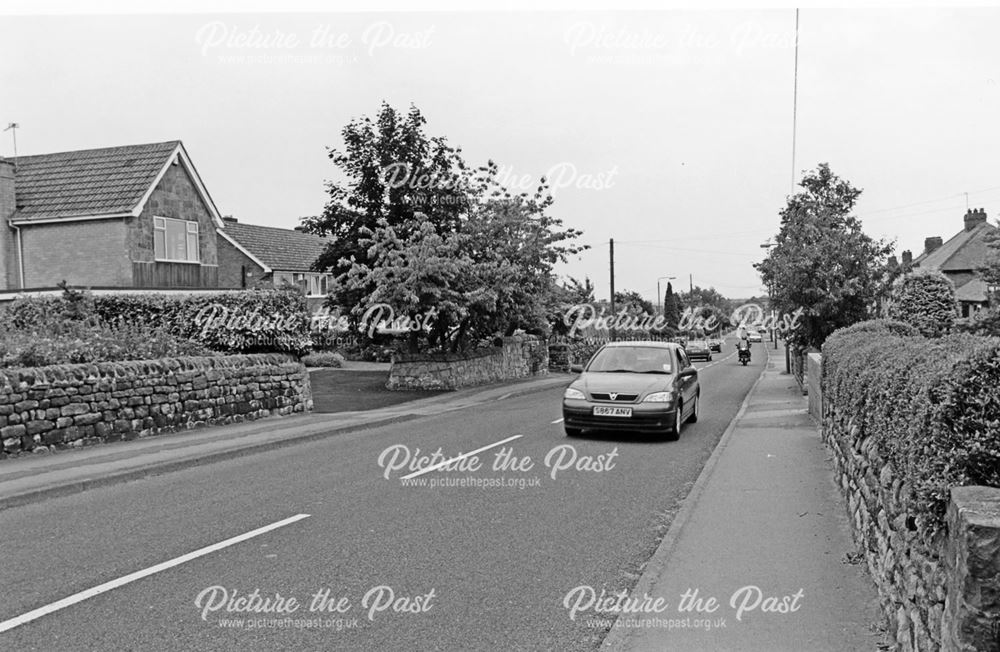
{"points": [[138, 575], [437, 466], [559, 420]]}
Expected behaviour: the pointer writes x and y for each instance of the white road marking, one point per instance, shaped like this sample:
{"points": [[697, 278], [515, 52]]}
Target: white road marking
{"points": [[138, 575], [437, 466], [559, 420], [505, 396]]}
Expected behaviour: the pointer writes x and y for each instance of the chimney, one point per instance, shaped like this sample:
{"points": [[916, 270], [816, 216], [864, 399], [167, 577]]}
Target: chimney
{"points": [[974, 217], [930, 244], [907, 258], [229, 218], [8, 204]]}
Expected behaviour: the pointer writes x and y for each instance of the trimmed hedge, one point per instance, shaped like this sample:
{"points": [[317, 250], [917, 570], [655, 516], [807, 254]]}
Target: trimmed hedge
{"points": [[926, 299], [241, 321], [930, 406]]}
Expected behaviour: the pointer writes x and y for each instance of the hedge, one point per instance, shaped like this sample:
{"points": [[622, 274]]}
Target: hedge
{"points": [[243, 321], [930, 406]]}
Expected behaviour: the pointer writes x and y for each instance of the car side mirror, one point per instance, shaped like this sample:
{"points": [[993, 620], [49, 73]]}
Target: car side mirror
{"points": [[688, 371], [576, 368]]}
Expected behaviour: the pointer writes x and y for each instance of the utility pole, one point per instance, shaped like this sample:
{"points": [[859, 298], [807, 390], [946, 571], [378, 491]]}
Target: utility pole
{"points": [[795, 97], [690, 285], [612, 250]]}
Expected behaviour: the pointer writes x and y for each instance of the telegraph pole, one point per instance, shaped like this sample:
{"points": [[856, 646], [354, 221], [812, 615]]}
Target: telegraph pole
{"points": [[612, 245], [612, 250]]}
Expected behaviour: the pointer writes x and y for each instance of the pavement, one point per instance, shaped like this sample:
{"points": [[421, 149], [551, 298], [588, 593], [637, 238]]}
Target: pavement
{"points": [[30, 478], [764, 532]]}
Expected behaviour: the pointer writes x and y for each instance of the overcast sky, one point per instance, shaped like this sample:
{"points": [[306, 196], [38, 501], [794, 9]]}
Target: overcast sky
{"points": [[670, 132]]}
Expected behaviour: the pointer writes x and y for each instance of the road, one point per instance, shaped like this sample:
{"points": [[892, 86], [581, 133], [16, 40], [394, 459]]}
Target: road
{"points": [[468, 568]]}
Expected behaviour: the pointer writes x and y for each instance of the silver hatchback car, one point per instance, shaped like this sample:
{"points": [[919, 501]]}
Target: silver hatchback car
{"points": [[647, 387]]}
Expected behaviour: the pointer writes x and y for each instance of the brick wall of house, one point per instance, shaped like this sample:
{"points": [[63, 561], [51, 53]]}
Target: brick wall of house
{"points": [[233, 263], [8, 262], [175, 196], [86, 252]]}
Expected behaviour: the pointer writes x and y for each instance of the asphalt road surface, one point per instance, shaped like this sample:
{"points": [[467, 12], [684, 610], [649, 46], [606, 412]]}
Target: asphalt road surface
{"points": [[377, 564]]}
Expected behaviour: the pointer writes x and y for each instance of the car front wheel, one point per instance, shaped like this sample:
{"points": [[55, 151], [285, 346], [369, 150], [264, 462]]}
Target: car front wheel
{"points": [[675, 434]]}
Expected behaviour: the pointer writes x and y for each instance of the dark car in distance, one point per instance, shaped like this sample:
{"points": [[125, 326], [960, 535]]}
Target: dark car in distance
{"points": [[643, 387], [699, 350]]}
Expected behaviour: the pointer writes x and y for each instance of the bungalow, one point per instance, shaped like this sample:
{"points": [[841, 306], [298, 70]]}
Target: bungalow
{"points": [[132, 218], [266, 256], [960, 259]]}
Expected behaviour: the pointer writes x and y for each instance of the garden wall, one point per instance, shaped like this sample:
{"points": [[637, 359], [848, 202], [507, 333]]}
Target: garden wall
{"points": [[60, 406], [518, 356], [909, 421]]}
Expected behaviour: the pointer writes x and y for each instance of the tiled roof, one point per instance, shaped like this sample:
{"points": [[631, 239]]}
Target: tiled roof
{"points": [[284, 250], [967, 250], [87, 182], [974, 290]]}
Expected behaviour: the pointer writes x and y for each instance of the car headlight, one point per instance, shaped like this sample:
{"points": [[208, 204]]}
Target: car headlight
{"points": [[573, 393], [659, 397]]}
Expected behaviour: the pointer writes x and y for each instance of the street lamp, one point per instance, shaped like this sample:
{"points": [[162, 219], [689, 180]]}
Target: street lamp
{"points": [[659, 297]]}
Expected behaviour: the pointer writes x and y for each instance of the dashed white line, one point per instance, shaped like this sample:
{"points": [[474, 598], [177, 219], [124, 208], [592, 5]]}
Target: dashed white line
{"points": [[435, 467], [138, 575]]}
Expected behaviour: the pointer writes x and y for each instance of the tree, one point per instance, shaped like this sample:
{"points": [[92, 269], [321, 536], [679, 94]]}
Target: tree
{"points": [[633, 303], [925, 299], [699, 297], [391, 170], [481, 263], [823, 262], [671, 307]]}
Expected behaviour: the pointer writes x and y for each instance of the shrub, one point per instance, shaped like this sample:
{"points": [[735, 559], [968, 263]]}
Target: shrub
{"points": [[250, 321], [323, 359], [925, 299], [79, 342], [246, 321], [930, 406], [984, 322]]}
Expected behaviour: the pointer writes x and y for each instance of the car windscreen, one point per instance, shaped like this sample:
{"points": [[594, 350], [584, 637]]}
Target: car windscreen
{"points": [[632, 359]]}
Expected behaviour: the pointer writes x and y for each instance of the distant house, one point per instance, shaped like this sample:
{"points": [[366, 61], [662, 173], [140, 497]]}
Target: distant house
{"points": [[266, 256], [960, 259], [136, 217]]}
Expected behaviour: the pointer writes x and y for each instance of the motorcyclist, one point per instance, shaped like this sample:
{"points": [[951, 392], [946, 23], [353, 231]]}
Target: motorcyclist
{"points": [[743, 346]]}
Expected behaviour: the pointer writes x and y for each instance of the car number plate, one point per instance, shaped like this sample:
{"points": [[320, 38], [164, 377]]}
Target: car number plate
{"points": [[608, 411]]}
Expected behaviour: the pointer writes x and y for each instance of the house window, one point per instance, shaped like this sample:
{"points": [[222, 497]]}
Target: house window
{"points": [[313, 285], [175, 240]]}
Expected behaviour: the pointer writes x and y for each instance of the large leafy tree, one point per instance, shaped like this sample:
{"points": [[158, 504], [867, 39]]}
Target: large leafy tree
{"points": [[823, 262], [389, 169], [481, 262], [633, 303]]}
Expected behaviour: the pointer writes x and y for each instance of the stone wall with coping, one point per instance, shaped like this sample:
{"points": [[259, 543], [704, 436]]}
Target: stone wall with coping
{"points": [[61, 406], [518, 356], [940, 589]]}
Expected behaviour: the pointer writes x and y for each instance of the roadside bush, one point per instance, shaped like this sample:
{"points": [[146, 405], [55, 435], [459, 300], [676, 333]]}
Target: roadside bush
{"points": [[323, 359], [925, 299], [76, 343], [248, 321], [930, 406], [984, 322]]}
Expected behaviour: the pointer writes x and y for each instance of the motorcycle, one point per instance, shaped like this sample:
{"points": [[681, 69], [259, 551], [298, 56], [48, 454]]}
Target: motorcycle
{"points": [[744, 356]]}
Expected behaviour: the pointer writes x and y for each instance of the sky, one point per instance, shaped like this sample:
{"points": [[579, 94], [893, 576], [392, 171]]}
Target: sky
{"points": [[668, 131]]}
